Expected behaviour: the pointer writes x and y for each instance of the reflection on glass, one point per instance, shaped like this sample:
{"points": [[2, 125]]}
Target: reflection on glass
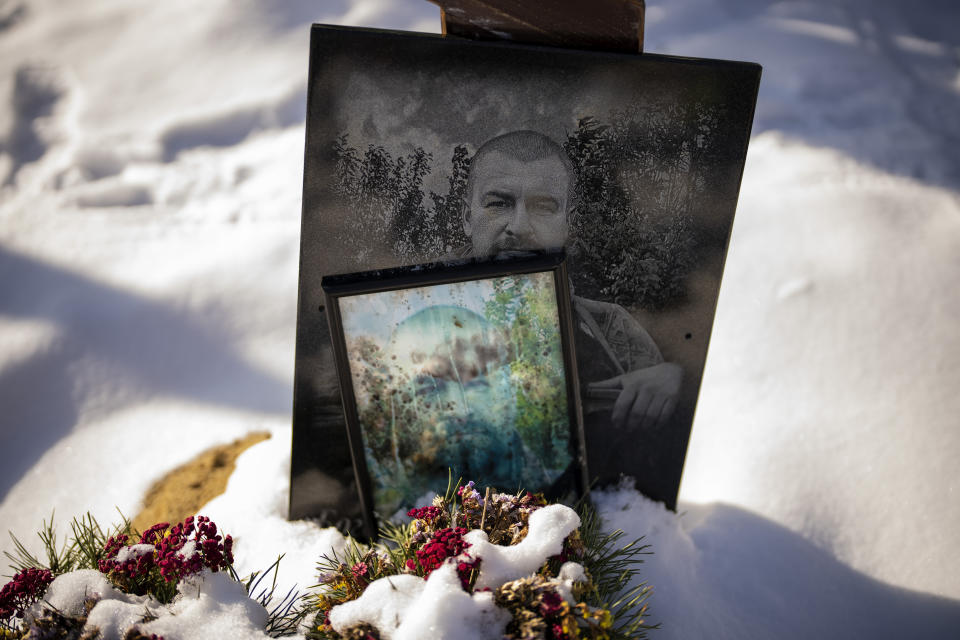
{"points": [[468, 376]]}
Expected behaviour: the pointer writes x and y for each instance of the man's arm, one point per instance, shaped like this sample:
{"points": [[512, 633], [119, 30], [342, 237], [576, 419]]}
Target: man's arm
{"points": [[647, 390], [629, 343], [647, 397]]}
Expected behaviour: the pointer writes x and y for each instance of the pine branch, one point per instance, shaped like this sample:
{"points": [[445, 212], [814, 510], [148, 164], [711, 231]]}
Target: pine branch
{"points": [[284, 615], [58, 559], [613, 566]]}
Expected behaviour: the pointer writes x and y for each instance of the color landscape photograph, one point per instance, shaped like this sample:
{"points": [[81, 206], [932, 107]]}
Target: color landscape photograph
{"points": [[467, 376]]}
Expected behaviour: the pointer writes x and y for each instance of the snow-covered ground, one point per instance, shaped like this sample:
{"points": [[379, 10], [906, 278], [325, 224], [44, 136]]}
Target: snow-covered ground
{"points": [[150, 163]]}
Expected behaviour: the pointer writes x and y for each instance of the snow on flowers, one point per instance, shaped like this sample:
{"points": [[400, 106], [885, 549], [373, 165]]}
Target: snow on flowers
{"points": [[169, 582], [468, 567], [492, 567], [164, 556]]}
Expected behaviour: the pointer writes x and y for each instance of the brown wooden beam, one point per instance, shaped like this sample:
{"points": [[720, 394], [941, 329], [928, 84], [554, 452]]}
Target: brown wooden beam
{"points": [[606, 25]]}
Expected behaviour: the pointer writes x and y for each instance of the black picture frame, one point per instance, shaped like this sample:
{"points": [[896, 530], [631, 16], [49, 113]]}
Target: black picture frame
{"points": [[655, 148], [470, 326]]}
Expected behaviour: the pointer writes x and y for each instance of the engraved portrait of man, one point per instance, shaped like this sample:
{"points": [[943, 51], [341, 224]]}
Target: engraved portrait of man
{"points": [[520, 196]]}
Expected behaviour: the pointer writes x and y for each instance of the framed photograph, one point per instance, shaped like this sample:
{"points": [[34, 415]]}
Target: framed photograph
{"points": [[422, 148], [462, 369]]}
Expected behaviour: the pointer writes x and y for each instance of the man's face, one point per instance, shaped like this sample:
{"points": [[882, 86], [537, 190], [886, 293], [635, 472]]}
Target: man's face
{"points": [[517, 205]]}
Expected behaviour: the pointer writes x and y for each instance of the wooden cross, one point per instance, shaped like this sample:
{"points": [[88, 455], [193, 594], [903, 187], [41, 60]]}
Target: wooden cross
{"points": [[604, 25]]}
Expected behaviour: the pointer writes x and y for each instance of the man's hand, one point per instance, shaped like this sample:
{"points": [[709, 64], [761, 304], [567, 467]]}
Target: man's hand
{"points": [[647, 397]]}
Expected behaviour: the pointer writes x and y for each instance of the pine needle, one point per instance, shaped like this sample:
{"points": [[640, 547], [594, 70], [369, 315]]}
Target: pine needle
{"points": [[613, 566], [59, 559], [284, 615]]}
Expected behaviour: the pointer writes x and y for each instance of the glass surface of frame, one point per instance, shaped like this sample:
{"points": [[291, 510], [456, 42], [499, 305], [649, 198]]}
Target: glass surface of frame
{"points": [[461, 369]]}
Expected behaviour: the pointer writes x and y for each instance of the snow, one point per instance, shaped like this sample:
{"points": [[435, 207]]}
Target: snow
{"points": [[211, 606], [113, 617], [570, 572], [207, 605], [68, 592], [383, 604], [409, 607], [719, 570], [150, 172], [548, 527], [135, 551], [253, 510]]}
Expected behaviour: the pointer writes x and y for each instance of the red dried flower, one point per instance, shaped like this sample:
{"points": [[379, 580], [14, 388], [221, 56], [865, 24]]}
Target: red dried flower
{"points": [[443, 544], [465, 571], [429, 513], [551, 604], [154, 534], [26, 587], [178, 551]]}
